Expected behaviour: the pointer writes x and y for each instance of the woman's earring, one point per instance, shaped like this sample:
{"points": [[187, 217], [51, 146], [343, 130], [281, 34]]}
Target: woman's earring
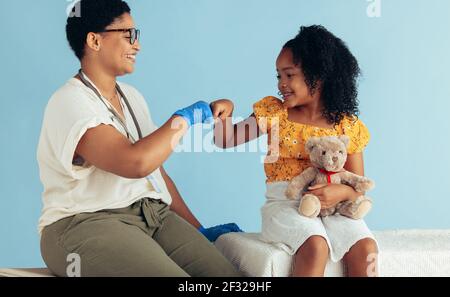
{"points": [[279, 93]]}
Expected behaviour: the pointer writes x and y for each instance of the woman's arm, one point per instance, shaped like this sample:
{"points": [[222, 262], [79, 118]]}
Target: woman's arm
{"points": [[106, 148], [178, 205]]}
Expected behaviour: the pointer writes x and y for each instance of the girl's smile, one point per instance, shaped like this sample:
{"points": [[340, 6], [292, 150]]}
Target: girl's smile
{"points": [[291, 81], [287, 95]]}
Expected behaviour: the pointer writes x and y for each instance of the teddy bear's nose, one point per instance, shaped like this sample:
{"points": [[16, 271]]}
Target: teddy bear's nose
{"points": [[335, 159]]}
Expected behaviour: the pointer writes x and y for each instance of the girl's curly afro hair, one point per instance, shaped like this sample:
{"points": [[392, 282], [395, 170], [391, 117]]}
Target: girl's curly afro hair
{"points": [[327, 63]]}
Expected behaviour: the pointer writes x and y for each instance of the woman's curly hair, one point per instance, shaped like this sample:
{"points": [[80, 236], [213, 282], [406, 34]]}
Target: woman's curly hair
{"points": [[327, 62]]}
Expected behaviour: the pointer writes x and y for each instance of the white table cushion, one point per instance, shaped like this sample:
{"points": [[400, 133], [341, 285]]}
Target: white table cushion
{"points": [[25, 272], [402, 253]]}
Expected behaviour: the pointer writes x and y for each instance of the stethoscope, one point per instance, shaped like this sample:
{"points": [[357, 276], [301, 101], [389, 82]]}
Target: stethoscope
{"points": [[88, 84], [116, 116]]}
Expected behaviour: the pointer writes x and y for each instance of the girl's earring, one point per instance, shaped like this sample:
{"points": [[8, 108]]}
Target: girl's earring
{"points": [[279, 93]]}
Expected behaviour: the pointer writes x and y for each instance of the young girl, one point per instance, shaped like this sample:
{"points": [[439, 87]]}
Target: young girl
{"points": [[317, 82]]}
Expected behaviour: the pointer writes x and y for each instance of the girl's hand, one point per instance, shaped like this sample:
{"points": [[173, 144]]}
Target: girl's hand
{"points": [[330, 194], [222, 108]]}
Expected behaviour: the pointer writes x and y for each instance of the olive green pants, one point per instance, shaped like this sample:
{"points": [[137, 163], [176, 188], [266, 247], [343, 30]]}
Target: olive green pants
{"points": [[144, 239]]}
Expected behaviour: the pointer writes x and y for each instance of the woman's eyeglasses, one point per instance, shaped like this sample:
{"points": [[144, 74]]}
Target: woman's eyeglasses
{"points": [[134, 33]]}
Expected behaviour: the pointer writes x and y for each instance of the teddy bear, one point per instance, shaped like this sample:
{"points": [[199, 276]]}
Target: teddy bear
{"points": [[328, 156]]}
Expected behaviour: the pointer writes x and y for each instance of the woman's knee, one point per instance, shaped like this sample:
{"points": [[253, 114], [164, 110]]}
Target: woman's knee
{"points": [[315, 247], [53, 254]]}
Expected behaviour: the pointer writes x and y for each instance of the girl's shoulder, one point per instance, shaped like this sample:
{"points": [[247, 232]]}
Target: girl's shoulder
{"points": [[352, 124], [268, 106], [357, 131]]}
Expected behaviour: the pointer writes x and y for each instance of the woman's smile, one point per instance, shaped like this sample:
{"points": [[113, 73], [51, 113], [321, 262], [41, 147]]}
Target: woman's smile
{"points": [[131, 57]]}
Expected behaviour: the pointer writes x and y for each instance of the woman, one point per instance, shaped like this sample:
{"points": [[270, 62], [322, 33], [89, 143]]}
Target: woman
{"points": [[107, 197]]}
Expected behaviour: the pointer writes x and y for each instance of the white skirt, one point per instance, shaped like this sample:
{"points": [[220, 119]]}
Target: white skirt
{"points": [[284, 227]]}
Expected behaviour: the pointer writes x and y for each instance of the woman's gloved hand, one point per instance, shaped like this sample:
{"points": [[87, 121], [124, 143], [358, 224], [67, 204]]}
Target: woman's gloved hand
{"points": [[213, 232], [199, 112]]}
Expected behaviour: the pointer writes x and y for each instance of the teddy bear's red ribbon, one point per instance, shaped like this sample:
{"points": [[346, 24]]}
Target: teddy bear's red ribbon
{"points": [[328, 174]]}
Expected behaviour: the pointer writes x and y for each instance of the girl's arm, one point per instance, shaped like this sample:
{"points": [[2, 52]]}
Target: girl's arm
{"points": [[355, 164], [331, 194], [227, 134]]}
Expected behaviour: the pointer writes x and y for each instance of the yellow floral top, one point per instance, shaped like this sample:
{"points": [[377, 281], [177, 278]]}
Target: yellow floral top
{"points": [[286, 155]]}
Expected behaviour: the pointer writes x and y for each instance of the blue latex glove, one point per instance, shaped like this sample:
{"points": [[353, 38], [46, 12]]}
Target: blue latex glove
{"points": [[213, 232], [199, 112]]}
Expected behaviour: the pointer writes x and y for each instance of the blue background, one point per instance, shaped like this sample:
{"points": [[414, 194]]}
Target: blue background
{"points": [[209, 49]]}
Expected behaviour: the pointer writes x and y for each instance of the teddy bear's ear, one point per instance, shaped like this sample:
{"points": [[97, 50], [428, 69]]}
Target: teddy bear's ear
{"points": [[312, 141], [345, 139]]}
